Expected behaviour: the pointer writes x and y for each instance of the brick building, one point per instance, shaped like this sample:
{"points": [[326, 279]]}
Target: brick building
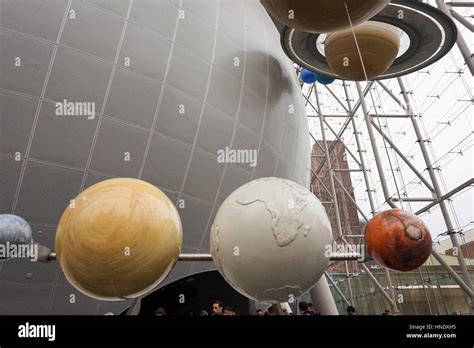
{"points": [[320, 186]]}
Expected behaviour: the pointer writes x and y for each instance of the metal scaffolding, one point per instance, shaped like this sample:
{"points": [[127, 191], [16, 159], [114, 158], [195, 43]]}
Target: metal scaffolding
{"points": [[336, 110]]}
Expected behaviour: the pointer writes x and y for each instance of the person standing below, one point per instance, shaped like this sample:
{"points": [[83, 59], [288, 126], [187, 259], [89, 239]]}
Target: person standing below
{"points": [[217, 307], [304, 310], [312, 309], [228, 310], [259, 312], [351, 310]]}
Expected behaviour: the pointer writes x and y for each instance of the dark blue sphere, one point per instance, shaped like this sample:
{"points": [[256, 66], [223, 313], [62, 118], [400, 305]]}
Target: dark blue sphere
{"points": [[324, 80], [307, 76]]}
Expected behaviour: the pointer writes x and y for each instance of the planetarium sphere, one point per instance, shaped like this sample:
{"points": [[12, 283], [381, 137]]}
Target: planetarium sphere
{"points": [[169, 86]]}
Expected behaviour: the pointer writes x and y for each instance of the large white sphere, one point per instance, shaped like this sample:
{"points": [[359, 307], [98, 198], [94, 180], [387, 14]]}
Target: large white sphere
{"points": [[268, 240]]}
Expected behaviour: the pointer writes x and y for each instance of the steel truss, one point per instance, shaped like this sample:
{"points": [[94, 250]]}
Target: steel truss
{"points": [[373, 128]]}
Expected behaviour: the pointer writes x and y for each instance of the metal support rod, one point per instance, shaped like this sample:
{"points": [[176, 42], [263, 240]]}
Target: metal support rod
{"points": [[467, 289], [413, 199], [320, 146], [461, 4], [440, 290], [375, 150], [322, 184], [195, 257], [349, 281], [437, 194], [424, 290], [344, 126], [433, 294], [389, 116], [352, 256], [402, 156], [328, 160], [329, 116], [376, 282], [378, 285], [390, 93], [462, 20], [361, 156], [352, 199], [347, 170], [391, 289], [309, 102], [208, 257], [338, 290], [345, 146], [462, 45], [337, 99], [461, 187]]}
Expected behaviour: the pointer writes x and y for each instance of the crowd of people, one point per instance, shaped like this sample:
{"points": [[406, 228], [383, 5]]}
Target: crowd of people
{"points": [[218, 308]]}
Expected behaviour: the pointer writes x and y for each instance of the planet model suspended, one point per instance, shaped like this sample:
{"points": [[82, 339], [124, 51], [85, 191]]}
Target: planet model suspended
{"points": [[307, 76], [398, 239], [368, 46], [14, 230], [324, 80], [268, 240], [323, 16], [118, 239]]}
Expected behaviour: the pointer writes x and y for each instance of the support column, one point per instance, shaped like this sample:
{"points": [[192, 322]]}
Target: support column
{"points": [[322, 299], [252, 307], [338, 290]]}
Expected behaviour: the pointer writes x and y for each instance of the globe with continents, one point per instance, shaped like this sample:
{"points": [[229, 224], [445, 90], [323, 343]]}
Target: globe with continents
{"points": [[268, 240]]}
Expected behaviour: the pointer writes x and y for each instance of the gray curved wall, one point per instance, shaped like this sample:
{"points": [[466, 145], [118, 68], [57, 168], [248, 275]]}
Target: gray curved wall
{"points": [[174, 61]]}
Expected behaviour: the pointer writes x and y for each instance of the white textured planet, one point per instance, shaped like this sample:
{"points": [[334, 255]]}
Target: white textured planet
{"points": [[268, 240]]}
